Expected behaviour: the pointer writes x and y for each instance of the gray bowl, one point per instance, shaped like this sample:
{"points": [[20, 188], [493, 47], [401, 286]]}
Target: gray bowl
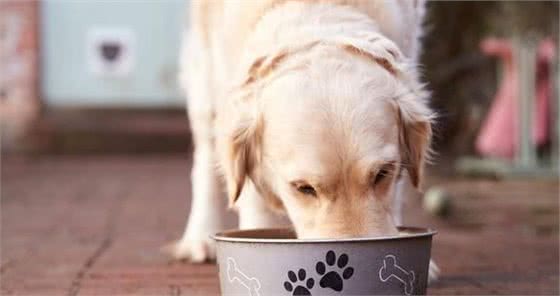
{"points": [[272, 262]]}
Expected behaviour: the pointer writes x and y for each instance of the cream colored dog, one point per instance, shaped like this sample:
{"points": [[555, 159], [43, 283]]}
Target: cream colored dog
{"points": [[311, 108]]}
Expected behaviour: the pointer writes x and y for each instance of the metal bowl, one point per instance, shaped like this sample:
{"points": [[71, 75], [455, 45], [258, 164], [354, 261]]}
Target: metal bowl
{"points": [[273, 262]]}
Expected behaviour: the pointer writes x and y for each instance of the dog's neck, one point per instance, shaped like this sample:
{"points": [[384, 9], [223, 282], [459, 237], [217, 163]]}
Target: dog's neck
{"points": [[297, 23], [291, 21], [297, 27]]}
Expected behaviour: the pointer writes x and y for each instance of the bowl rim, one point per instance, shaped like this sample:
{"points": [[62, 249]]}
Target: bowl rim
{"points": [[230, 236]]}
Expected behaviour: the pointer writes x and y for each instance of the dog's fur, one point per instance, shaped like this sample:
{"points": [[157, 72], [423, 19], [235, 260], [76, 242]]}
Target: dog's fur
{"points": [[310, 108]]}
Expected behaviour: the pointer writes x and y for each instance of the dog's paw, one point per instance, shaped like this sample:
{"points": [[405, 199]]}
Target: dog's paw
{"points": [[433, 272], [192, 250]]}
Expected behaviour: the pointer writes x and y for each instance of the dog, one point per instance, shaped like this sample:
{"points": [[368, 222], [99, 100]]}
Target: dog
{"points": [[313, 109]]}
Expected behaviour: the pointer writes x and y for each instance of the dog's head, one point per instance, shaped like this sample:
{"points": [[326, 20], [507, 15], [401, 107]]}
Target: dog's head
{"points": [[324, 131]]}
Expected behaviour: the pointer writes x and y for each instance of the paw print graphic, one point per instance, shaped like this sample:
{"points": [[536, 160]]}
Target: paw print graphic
{"points": [[302, 287], [334, 278]]}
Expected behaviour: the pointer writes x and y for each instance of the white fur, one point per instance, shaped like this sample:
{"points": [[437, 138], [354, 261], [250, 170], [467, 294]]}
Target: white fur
{"points": [[345, 50]]}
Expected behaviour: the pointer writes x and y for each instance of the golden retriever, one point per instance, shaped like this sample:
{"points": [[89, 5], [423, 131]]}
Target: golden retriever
{"points": [[310, 108]]}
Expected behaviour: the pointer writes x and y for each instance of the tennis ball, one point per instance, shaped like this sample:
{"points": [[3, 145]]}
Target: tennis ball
{"points": [[437, 202]]}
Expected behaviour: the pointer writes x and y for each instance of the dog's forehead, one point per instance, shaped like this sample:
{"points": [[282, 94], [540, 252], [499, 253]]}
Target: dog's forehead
{"points": [[332, 98], [356, 119], [319, 145], [322, 120]]}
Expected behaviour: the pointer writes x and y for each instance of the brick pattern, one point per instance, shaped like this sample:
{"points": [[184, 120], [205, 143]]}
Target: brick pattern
{"points": [[19, 103], [93, 225]]}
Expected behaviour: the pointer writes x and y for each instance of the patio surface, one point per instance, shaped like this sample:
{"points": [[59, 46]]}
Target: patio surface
{"points": [[93, 225]]}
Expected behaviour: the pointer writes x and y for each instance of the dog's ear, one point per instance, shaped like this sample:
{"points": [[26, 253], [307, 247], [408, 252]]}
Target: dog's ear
{"points": [[262, 66], [376, 48], [241, 152], [241, 132], [413, 116], [415, 133]]}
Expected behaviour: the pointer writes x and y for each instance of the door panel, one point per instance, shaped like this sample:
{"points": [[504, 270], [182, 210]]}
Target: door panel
{"points": [[111, 53]]}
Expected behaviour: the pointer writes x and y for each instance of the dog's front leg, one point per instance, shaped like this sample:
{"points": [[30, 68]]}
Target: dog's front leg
{"points": [[208, 207], [404, 189]]}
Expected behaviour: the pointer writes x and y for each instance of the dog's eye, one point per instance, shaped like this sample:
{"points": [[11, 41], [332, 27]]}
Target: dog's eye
{"points": [[306, 189], [380, 176], [384, 173]]}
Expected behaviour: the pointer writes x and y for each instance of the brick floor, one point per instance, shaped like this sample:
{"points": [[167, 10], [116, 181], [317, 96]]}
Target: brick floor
{"points": [[92, 225]]}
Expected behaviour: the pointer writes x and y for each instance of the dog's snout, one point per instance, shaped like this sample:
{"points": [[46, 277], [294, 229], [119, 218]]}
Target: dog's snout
{"points": [[350, 226]]}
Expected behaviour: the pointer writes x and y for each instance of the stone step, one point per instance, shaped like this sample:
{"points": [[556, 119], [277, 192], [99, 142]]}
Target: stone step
{"points": [[111, 131]]}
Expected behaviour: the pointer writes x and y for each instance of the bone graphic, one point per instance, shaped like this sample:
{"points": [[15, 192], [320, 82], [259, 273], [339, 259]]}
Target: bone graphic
{"points": [[233, 273], [390, 269]]}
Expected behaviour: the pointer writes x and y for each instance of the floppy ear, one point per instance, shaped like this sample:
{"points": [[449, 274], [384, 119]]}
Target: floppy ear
{"points": [[263, 66], [415, 133], [240, 154], [241, 160], [376, 48], [241, 130], [413, 116]]}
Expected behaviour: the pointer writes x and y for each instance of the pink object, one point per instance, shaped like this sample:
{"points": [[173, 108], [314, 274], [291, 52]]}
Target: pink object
{"points": [[499, 135]]}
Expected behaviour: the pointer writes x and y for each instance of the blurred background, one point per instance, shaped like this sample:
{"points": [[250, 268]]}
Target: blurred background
{"points": [[92, 118]]}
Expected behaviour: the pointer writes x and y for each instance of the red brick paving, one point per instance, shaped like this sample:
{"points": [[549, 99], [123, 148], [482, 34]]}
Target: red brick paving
{"points": [[93, 225]]}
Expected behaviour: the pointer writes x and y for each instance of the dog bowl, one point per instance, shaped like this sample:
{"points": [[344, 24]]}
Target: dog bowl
{"points": [[273, 262]]}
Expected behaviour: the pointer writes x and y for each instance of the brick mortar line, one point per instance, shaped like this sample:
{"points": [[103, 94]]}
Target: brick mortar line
{"points": [[77, 281], [105, 244], [4, 266]]}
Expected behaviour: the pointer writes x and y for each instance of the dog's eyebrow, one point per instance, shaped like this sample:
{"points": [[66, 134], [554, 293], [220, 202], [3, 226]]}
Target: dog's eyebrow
{"points": [[392, 165], [318, 181], [379, 164], [313, 181], [373, 169]]}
